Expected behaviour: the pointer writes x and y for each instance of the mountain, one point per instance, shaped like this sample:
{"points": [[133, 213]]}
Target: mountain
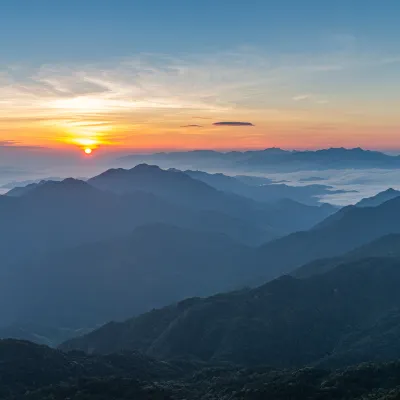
{"points": [[31, 372], [290, 208], [270, 192], [180, 189], [18, 191], [57, 215], [373, 343], [340, 233], [40, 334], [269, 160], [173, 185], [69, 237], [386, 246], [26, 367], [151, 267], [285, 323], [379, 199], [14, 184], [159, 264], [222, 194]]}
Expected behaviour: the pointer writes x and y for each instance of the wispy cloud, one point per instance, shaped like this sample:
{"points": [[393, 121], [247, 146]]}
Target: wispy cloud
{"points": [[4, 143], [311, 98], [115, 99], [301, 97]]}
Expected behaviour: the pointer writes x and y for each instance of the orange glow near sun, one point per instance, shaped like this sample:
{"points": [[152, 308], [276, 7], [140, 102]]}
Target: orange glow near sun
{"points": [[88, 150]]}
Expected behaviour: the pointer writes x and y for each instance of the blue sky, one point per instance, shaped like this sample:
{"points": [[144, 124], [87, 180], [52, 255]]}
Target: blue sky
{"points": [[47, 30]]}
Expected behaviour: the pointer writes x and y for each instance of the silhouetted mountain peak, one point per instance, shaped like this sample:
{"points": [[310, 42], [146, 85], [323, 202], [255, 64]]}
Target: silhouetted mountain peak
{"points": [[146, 168], [275, 150], [72, 182], [66, 188], [390, 190], [379, 199], [112, 172]]}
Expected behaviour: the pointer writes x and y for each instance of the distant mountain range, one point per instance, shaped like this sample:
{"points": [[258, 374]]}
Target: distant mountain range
{"points": [[262, 191], [272, 159]]}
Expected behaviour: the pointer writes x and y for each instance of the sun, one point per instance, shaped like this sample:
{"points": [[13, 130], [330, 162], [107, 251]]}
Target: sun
{"points": [[88, 150]]}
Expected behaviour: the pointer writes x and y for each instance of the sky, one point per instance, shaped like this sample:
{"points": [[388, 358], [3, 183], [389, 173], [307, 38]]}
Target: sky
{"points": [[148, 75]]}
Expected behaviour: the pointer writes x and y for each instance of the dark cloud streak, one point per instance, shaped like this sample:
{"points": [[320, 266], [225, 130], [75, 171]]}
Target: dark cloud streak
{"points": [[232, 123]]}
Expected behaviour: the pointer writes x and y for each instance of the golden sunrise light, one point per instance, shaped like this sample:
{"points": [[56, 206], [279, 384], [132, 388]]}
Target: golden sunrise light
{"points": [[88, 150], [170, 100]]}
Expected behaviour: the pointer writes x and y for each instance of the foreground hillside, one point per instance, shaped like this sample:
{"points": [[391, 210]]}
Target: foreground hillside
{"points": [[31, 372], [25, 367], [285, 323]]}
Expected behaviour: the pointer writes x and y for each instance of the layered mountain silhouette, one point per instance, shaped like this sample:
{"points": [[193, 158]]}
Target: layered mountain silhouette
{"points": [[18, 191], [271, 159], [223, 194], [71, 237], [340, 233], [287, 322], [159, 264], [379, 199], [271, 192], [52, 215], [386, 246], [151, 267], [56, 215]]}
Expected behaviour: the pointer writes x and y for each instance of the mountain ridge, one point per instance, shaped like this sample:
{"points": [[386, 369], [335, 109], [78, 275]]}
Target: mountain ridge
{"points": [[231, 326], [272, 159]]}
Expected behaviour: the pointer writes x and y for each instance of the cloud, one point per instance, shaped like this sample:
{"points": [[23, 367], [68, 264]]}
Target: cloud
{"points": [[14, 145], [192, 126], [311, 98], [147, 91], [301, 97], [232, 123], [8, 143]]}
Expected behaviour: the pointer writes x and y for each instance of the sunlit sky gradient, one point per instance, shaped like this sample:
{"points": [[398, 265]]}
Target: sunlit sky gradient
{"points": [[157, 74]]}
